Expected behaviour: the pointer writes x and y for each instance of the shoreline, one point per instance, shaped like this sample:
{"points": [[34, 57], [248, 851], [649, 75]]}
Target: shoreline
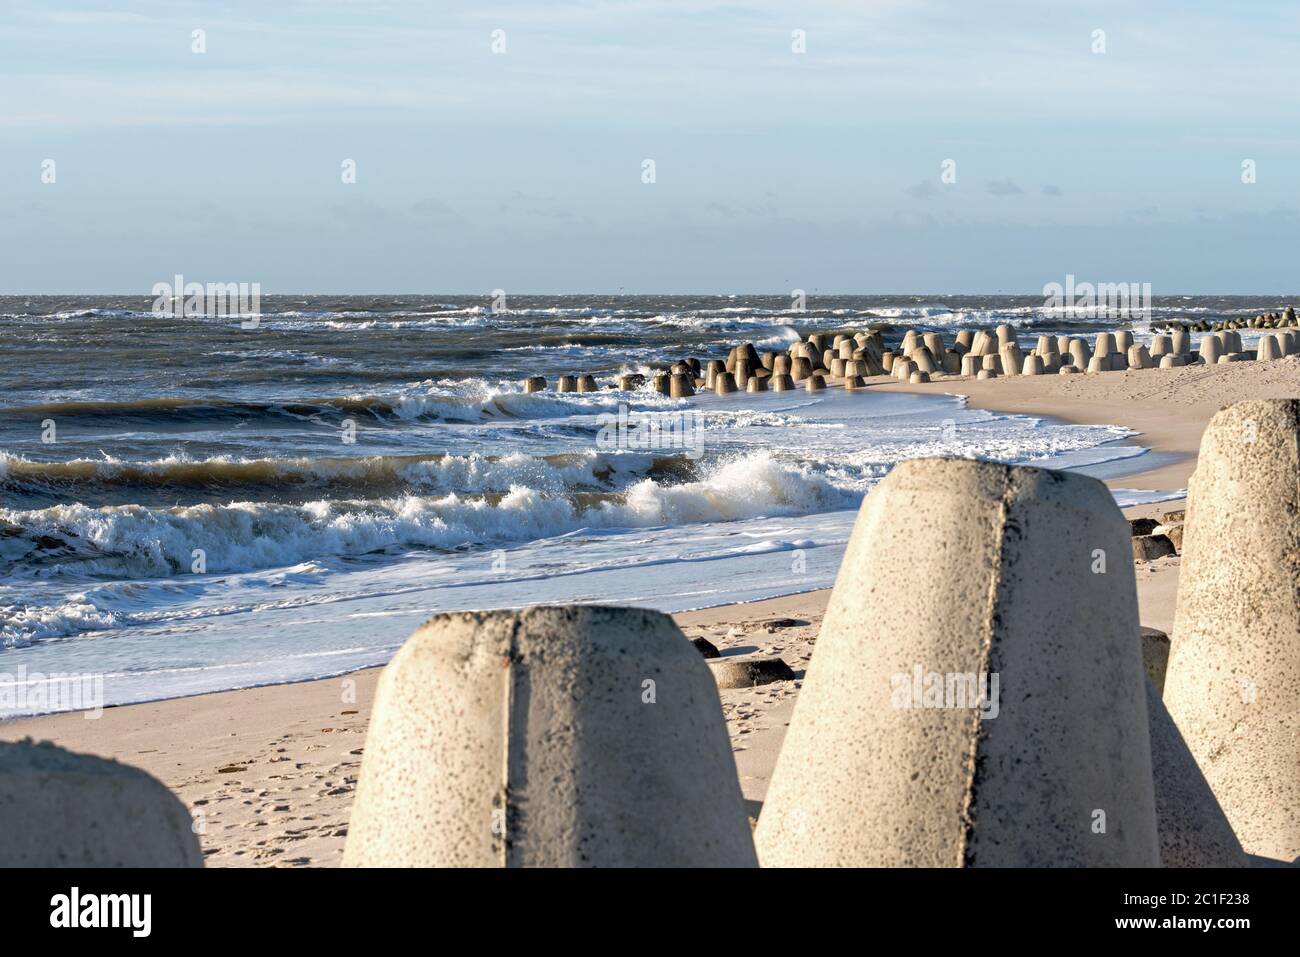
{"points": [[884, 381], [1135, 399], [269, 771]]}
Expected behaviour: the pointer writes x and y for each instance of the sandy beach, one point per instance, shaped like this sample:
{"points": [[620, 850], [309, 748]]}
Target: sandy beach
{"points": [[270, 772]]}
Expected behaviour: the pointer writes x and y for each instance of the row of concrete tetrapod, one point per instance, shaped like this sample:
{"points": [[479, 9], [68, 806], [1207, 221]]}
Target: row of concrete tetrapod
{"points": [[1264, 320], [584, 735], [565, 383], [983, 354], [849, 358], [980, 354]]}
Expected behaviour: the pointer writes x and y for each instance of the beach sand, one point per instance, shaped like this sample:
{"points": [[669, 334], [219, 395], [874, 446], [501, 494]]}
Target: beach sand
{"points": [[271, 772]]}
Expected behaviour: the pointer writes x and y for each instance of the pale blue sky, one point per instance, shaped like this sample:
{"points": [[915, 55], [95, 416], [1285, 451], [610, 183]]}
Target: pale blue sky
{"points": [[775, 170]]}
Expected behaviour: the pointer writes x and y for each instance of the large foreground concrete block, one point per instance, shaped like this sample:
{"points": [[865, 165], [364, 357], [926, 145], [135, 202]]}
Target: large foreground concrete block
{"points": [[1194, 831], [1233, 682], [63, 809], [957, 569], [550, 737]]}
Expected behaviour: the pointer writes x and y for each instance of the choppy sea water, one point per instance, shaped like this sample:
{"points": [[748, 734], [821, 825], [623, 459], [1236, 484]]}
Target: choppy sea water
{"points": [[352, 465]]}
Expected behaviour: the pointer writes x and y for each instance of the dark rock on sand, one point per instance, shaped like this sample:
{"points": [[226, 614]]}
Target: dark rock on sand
{"points": [[773, 623], [749, 672], [1150, 547], [707, 648]]}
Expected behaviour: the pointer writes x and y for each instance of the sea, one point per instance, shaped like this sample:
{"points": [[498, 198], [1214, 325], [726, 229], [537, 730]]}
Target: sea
{"points": [[199, 503]]}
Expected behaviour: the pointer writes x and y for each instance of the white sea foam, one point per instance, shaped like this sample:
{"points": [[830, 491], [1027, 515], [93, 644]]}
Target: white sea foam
{"points": [[147, 541], [474, 400], [809, 456]]}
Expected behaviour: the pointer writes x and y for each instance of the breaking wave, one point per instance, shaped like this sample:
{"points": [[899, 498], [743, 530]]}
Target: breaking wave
{"points": [[143, 541]]}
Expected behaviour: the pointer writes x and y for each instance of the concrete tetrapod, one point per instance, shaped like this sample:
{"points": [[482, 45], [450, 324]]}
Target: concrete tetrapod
{"points": [[63, 809], [743, 371], [1105, 347], [1053, 767], [1234, 664], [549, 737], [681, 385], [1012, 358]]}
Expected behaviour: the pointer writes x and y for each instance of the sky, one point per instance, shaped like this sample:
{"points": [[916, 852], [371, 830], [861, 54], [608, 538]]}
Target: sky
{"points": [[516, 159]]}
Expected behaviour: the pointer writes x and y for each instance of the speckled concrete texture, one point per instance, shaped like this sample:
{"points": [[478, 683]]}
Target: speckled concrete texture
{"points": [[551, 737], [1194, 831], [63, 809], [1233, 682], [958, 567]]}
